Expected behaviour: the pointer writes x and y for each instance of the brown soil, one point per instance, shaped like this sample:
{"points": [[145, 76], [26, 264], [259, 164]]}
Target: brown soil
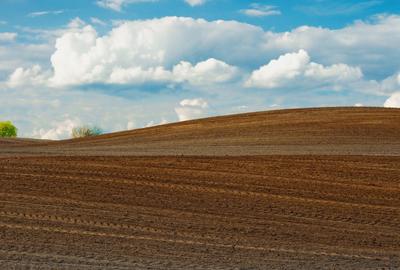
{"points": [[333, 131], [114, 202]]}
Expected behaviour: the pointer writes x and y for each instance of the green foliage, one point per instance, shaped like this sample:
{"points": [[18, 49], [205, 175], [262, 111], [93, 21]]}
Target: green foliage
{"points": [[8, 130], [86, 131]]}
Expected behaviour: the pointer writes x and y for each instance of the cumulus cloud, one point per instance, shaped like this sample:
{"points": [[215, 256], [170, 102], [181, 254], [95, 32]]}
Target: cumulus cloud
{"points": [[117, 5], [213, 56], [279, 71], [82, 56], [8, 36], [60, 130], [211, 71], [298, 66], [138, 75], [36, 110], [393, 101], [194, 3], [207, 72], [167, 50], [138, 52], [28, 77], [335, 73], [258, 10], [365, 43], [191, 109], [390, 84], [71, 61]]}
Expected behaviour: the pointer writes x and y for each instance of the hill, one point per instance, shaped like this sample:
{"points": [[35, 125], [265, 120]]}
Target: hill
{"points": [[290, 189], [323, 131]]}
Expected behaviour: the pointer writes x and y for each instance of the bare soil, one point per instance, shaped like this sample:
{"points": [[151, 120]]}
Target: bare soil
{"points": [[323, 131], [100, 203]]}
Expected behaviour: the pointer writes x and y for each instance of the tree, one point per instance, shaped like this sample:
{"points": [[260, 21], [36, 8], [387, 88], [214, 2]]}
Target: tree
{"points": [[8, 130], [86, 131]]}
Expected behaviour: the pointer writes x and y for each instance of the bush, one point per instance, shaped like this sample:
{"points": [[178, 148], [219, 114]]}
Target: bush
{"points": [[8, 130], [86, 131]]}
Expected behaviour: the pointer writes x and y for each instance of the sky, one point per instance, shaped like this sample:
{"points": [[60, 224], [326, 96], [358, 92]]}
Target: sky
{"points": [[126, 64]]}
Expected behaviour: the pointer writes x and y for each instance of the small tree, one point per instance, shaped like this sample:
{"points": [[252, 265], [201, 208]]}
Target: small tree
{"points": [[8, 130], [86, 131]]}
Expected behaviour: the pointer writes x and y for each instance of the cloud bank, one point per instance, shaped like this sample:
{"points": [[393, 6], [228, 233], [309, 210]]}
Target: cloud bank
{"points": [[166, 50], [139, 71]]}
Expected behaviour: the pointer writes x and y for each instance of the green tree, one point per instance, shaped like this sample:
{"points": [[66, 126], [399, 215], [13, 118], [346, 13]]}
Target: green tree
{"points": [[8, 130], [86, 131]]}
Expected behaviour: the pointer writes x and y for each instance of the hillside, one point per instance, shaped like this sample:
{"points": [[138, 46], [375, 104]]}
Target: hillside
{"points": [[323, 131], [290, 189]]}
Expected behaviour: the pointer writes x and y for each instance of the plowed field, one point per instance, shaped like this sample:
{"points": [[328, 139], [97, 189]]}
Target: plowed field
{"points": [[108, 208]]}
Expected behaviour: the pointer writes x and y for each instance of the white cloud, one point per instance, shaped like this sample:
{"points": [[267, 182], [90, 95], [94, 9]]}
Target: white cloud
{"points": [[130, 125], [210, 71], [117, 5], [98, 21], [15, 55], [60, 130], [298, 66], [358, 105], [153, 43], [365, 43], [45, 12], [82, 56], [166, 52], [258, 10], [28, 77], [390, 84], [138, 52], [71, 62], [197, 102], [194, 3], [279, 71], [3, 22], [361, 59], [37, 110], [7, 36], [152, 123], [76, 23], [393, 101], [191, 109], [335, 73], [137, 75]]}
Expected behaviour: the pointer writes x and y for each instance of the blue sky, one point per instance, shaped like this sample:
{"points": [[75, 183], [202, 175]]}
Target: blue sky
{"points": [[326, 13], [124, 64]]}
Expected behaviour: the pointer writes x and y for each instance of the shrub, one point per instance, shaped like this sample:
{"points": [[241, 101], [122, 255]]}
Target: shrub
{"points": [[86, 131], [8, 130]]}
